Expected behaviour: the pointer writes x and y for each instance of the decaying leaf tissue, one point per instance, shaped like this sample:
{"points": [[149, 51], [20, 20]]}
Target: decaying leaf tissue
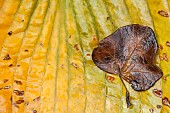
{"points": [[129, 52]]}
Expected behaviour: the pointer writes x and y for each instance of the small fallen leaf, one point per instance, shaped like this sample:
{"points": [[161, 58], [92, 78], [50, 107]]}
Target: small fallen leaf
{"points": [[130, 52]]}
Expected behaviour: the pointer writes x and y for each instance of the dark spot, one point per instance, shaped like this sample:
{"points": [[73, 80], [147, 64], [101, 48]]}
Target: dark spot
{"points": [[110, 78], [166, 102], [163, 13], [7, 87], [22, 20], [159, 106], [165, 57], [18, 65], [18, 82], [19, 101], [76, 47], [26, 103], [168, 43], [19, 93], [10, 33], [37, 99], [157, 93], [34, 111], [11, 98], [7, 57], [74, 65], [70, 36], [160, 47], [165, 77], [108, 18], [62, 66], [26, 50], [1, 88], [88, 54], [5, 80], [151, 110], [145, 61], [10, 65]]}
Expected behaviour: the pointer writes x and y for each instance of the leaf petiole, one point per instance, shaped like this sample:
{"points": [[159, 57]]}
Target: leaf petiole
{"points": [[127, 93]]}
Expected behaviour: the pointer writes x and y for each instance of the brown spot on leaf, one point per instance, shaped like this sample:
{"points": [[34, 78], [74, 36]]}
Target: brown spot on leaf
{"points": [[159, 106], [18, 82], [22, 20], [74, 65], [168, 43], [166, 102], [26, 50], [18, 65], [10, 65], [151, 110], [19, 93], [37, 99], [11, 98], [165, 77], [70, 36], [10, 33], [160, 47], [163, 13], [26, 103], [19, 101], [88, 54], [1, 88], [34, 111], [157, 93], [108, 18], [7, 57], [110, 78], [7, 87], [5, 80], [164, 57], [62, 66], [76, 47]]}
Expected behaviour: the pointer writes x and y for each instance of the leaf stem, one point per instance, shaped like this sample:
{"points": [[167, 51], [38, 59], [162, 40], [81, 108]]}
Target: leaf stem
{"points": [[127, 93]]}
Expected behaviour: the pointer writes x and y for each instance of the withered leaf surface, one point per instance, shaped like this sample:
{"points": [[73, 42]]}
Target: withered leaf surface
{"points": [[129, 52]]}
